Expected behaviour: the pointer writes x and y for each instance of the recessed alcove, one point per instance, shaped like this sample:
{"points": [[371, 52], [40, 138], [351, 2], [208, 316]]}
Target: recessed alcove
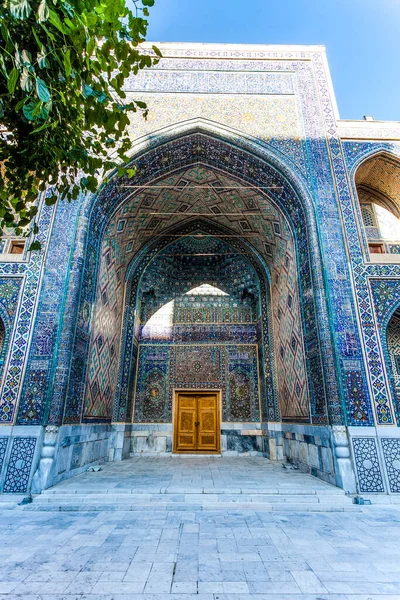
{"points": [[378, 187]]}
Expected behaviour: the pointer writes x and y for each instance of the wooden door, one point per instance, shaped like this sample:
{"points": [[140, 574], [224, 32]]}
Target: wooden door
{"points": [[207, 408], [196, 422], [186, 423]]}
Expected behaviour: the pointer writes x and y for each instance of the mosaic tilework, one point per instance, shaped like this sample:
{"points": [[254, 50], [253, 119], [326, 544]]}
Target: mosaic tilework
{"points": [[274, 252], [169, 310], [365, 274], [382, 406], [46, 347], [317, 176], [32, 273], [386, 295], [9, 292], [152, 402], [391, 451], [242, 385], [380, 174], [265, 309], [163, 368], [19, 464], [275, 120], [215, 83], [392, 352], [3, 448], [367, 465]]}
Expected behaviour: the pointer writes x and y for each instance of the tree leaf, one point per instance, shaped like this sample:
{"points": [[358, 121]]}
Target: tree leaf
{"points": [[67, 63], [30, 109], [41, 128], [42, 90], [41, 58], [20, 9], [12, 80], [26, 82], [55, 20], [87, 90], [156, 51], [67, 123], [35, 246], [43, 12], [26, 58]]}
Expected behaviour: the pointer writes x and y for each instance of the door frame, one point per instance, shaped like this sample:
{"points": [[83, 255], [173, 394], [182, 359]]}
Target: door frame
{"points": [[195, 391]]}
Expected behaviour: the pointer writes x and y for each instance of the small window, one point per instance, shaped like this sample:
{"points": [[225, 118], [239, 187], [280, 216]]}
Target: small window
{"points": [[17, 247], [368, 216], [376, 248]]}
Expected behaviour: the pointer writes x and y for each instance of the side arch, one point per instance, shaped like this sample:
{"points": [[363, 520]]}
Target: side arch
{"points": [[376, 201]]}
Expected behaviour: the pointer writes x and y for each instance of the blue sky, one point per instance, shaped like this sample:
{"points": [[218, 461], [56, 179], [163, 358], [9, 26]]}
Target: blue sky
{"points": [[362, 38]]}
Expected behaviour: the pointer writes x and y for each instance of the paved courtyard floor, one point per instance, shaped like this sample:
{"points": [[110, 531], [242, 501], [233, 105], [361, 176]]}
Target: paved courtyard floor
{"points": [[205, 555], [189, 552]]}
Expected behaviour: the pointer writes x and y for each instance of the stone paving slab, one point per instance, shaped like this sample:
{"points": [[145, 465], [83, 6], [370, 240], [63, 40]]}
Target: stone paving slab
{"points": [[203, 555]]}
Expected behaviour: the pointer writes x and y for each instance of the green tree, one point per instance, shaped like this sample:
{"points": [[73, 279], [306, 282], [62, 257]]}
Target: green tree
{"points": [[63, 111]]}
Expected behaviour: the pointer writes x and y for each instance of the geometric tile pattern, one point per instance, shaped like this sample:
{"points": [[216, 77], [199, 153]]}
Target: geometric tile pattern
{"points": [[351, 214], [272, 118], [265, 311], [367, 465], [299, 179], [270, 235], [345, 328], [169, 313], [162, 368], [391, 451], [9, 292], [3, 448], [49, 354], [392, 353], [19, 464], [271, 130], [30, 273], [371, 278]]}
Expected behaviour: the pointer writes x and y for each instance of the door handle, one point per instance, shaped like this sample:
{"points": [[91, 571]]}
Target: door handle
{"points": [[197, 423]]}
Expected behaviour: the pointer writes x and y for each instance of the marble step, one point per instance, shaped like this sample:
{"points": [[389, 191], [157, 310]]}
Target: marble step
{"points": [[177, 507], [73, 499], [330, 491], [204, 499]]}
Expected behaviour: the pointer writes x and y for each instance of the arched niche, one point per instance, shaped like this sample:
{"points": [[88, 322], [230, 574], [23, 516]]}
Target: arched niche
{"points": [[377, 182], [266, 187], [199, 322]]}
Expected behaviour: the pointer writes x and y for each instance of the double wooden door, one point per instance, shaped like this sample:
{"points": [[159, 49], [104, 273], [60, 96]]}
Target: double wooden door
{"points": [[196, 427]]}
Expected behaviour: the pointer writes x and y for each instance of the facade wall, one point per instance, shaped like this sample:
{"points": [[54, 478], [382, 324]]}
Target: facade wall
{"points": [[261, 115]]}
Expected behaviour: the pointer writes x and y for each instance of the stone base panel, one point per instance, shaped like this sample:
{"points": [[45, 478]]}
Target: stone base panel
{"points": [[376, 455], [35, 458]]}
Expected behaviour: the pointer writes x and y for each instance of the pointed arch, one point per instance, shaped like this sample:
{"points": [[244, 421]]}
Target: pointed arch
{"points": [[376, 180], [275, 182]]}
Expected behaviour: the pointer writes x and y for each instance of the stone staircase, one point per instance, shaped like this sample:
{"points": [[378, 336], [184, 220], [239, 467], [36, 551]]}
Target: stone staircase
{"points": [[192, 499], [139, 484]]}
